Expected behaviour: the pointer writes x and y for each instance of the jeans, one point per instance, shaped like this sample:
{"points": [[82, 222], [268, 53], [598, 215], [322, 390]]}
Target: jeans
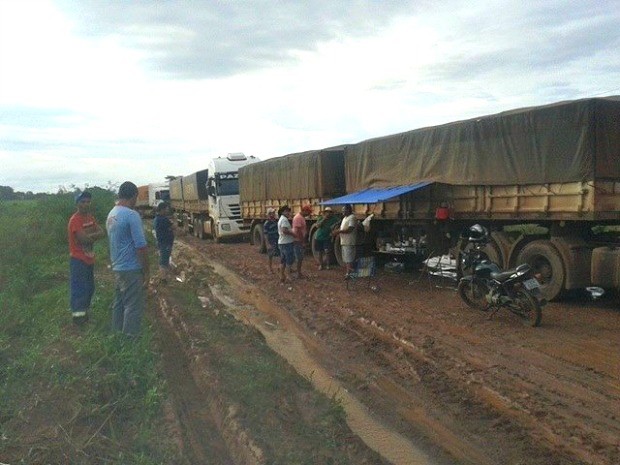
{"points": [[299, 250], [287, 254], [82, 285], [165, 250], [129, 302]]}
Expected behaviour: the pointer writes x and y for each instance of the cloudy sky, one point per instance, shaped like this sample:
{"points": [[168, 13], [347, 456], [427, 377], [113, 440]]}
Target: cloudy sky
{"points": [[101, 91]]}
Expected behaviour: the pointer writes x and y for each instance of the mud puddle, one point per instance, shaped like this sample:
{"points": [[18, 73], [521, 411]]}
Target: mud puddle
{"points": [[285, 337]]}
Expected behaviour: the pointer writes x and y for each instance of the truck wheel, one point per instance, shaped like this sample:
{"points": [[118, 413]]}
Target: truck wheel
{"points": [[200, 224], [216, 238], [312, 241], [194, 228], [258, 238], [491, 251], [547, 264]]}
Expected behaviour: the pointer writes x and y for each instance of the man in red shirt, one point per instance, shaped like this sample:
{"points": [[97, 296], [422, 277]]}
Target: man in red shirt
{"points": [[83, 232], [300, 231]]}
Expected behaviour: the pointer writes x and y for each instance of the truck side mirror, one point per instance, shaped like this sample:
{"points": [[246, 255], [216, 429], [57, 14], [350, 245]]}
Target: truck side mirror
{"points": [[211, 191]]}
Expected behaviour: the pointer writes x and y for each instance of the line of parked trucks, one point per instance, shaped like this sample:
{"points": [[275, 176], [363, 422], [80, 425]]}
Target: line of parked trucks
{"points": [[544, 180]]}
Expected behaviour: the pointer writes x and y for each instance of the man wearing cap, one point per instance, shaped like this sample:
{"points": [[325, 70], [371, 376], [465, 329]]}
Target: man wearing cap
{"points": [[83, 231], [285, 242], [129, 257], [300, 230], [270, 228], [322, 237]]}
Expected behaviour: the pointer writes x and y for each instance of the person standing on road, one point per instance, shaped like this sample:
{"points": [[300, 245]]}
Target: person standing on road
{"points": [[83, 231], [285, 242], [300, 231], [164, 233], [270, 228], [130, 262], [348, 238], [322, 238]]}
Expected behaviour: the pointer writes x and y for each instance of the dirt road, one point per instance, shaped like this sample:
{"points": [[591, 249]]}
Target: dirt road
{"points": [[455, 386]]}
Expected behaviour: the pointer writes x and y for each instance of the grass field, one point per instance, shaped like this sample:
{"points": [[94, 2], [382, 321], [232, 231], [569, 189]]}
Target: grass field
{"points": [[68, 394], [84, 395]]}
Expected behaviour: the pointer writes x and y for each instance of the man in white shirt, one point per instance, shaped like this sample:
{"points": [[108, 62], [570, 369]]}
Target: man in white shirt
{"points": [[285, 242], [348, 237]]}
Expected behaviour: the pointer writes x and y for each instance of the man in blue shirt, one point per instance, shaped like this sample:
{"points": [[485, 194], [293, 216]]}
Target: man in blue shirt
{"points": [[129, 256]]}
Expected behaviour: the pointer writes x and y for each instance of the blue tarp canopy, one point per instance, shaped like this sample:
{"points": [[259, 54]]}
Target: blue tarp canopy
{"points": [[375, 195]]}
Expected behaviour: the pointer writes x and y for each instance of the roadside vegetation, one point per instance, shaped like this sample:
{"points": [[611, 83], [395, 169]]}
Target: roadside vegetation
{"points": [[83, 395], [68, 394]]}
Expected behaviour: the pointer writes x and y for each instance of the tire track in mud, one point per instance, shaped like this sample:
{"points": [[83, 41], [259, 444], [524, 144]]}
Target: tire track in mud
{"points": [[487, 391], [199, 437], [284, 336], [380, 437], [208, 427]]}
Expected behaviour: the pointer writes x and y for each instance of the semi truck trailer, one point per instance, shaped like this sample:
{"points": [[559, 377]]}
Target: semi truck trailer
{"points": [[151, 195], [206, 203], [297, 179], [544, 180]]}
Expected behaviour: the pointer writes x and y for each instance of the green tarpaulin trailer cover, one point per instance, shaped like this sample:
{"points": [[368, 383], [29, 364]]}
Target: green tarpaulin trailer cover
{"points": [[312, 174], [563, 142]]}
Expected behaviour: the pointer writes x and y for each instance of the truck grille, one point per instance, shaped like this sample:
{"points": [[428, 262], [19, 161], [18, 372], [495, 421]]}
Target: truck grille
{"points": [[235, 211]]}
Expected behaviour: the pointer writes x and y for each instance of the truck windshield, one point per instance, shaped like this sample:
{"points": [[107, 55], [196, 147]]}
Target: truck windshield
{"points": [[162, 195], [228, 186]]}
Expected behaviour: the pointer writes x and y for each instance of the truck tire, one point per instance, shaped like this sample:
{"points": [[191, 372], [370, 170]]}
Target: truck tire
{"points": [[214, 234], [200, 224], [195, 227], [312, 241], [491, 250], [546, 262], [258, 238]]}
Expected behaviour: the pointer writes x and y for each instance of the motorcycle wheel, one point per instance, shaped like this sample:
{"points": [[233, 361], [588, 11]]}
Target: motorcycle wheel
{"points": [[474, 292], [528, 308]]}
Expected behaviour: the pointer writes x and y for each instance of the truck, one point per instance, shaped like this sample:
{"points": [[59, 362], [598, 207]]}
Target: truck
{"points": [[544, 180], [206, 203], [150, 196], [296, 179]]}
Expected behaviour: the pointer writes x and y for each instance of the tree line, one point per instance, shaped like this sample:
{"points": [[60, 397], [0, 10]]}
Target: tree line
{"points": [[8, 193]]}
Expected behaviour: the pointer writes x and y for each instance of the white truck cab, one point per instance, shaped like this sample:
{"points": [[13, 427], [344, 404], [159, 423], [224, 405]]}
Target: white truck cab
{"points": [[158, 193], [223, 192]]}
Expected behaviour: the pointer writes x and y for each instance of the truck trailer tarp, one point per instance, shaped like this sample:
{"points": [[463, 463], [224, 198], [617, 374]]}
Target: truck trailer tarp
{"points": [[312, 174], [563, 142]]}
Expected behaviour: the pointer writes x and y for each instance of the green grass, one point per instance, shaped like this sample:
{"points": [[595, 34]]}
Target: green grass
{"points": [[289, 419], [88, 396], [67, 394]]}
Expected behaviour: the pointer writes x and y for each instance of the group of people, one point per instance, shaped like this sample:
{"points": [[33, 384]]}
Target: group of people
{"points": [[286, 238], [128, 254]]}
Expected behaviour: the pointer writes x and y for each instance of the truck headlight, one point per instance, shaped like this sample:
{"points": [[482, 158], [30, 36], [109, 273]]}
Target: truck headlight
{"points": [[225, 226]]}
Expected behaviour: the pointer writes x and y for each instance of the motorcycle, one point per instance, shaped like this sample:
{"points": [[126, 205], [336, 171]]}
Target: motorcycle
{"points": [[489, 289]]}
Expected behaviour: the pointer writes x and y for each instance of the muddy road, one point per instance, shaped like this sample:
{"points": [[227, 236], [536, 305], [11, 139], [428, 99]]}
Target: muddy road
{"points": [[427, 380]]}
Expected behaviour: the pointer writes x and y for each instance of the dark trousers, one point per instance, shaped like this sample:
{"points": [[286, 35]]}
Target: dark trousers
{"points": [[82, 285]]}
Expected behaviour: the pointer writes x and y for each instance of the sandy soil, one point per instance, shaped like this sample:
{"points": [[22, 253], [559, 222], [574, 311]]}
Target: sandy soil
{"points": [[459, 387]]}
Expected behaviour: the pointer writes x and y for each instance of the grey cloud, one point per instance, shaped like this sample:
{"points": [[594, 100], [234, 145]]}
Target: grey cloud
{"points": [[209, 39], [538, 41]]}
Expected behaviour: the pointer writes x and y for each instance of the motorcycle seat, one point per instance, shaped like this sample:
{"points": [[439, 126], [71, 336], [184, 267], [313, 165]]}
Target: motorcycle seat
{"points": [[505, 275]]}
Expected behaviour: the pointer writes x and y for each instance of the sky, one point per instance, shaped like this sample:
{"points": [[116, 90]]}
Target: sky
{"points": [[97, 92]]}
